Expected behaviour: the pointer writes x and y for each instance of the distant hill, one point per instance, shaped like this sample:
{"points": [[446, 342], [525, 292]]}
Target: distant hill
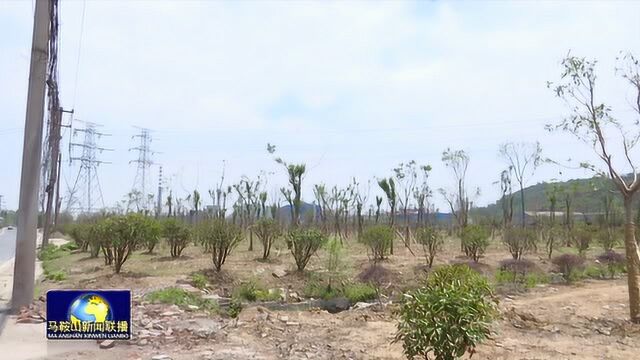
{"points": [[587, 196]]}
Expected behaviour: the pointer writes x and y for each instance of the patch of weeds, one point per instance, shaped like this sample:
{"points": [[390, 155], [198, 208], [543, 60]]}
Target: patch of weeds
{"points": [[317, 289], [534, 279], [235, 307], [359, 292], [246, 291], [355, 292], [595, 272], [199, 280], [254, 291], [52, 252], [269, 295], [182, 298], [58, 275]]}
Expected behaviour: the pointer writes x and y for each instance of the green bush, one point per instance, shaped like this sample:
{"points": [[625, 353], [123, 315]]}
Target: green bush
{"points": [[475, 239], [177, 235], [431, 241], [447, 317], [125, 234], [379, 239], [303, 243], [199, 280], [152, 232], [235, 307], [221, 238], [182, 298], [267, 230]]}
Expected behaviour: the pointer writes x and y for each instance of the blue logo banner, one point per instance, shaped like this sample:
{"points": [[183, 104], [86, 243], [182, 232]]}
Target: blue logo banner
{"points": [[89, 314]]}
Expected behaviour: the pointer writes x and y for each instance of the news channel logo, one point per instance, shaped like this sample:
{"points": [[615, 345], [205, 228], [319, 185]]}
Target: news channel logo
{"points": [[88, 314]]}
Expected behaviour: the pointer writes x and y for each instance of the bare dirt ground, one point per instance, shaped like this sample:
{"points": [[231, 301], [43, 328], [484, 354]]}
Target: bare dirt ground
{"points": [[587, 320]]}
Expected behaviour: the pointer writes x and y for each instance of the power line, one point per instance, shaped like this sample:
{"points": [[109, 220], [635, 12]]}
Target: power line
{"points": [[87, 183], [144, 161], [75, 86]]}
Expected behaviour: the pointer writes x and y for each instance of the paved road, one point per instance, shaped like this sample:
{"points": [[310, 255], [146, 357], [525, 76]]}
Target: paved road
{"points": [[7, 244]]}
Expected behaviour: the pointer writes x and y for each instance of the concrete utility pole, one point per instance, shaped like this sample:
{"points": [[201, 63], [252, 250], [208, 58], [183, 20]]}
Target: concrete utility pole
{"points": [[27, 224]]}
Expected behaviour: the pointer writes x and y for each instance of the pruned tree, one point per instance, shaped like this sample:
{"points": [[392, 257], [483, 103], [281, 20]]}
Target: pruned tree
{"points": [[523, 159], [458, 199], [295, 174], [589, 122], [421, 194], [507, 198], [406, 176], [388, 186]]}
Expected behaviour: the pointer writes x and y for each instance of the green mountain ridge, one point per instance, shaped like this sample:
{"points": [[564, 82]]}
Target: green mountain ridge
{"points": [[587, 195]]}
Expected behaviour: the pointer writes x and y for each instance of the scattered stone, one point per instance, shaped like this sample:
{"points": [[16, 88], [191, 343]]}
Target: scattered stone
{"points": [[279, 273], [193, 307], [284, 319], [292, 323], [190, 289], [107, 344], [161, 357], [143, 342], [362, 305]]}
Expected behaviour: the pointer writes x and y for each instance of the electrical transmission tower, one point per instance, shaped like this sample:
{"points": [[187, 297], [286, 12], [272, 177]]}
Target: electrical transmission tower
{"points": [[141, 198], [86, 191]]}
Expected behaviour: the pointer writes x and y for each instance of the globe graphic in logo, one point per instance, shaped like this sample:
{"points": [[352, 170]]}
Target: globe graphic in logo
{"points": [[90, 307]]}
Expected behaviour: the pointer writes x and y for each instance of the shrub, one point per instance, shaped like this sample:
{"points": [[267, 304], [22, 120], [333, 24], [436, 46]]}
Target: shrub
{"points": [[608, 238], [551, 235], [334, 259], [519, 268], [447, 317], [379, 239], [582, 237], [221, 237], [152, 232], [475, 240], [235, 308], [568, 265], [199, 280], [267, 230], [80, 234], [431, 241], [126, 234], [614, 262], [519, 241], [182, 298], [303, 243], [177, 235]]}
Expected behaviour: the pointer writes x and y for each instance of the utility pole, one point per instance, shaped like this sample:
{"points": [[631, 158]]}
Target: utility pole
{"points": [[159, 200], [27, 223], [54, 138]]}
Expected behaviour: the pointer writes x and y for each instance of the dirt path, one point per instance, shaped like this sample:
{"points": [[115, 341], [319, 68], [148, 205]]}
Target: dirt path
{"points": [[551, 322]]}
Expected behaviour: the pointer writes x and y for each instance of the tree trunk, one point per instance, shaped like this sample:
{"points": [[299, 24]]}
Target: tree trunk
{"points": [[522, 205], [633, 260]]}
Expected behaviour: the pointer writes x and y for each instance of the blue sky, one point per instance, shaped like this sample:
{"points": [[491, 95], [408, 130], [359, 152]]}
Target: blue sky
{"points": [[350, 88]]}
